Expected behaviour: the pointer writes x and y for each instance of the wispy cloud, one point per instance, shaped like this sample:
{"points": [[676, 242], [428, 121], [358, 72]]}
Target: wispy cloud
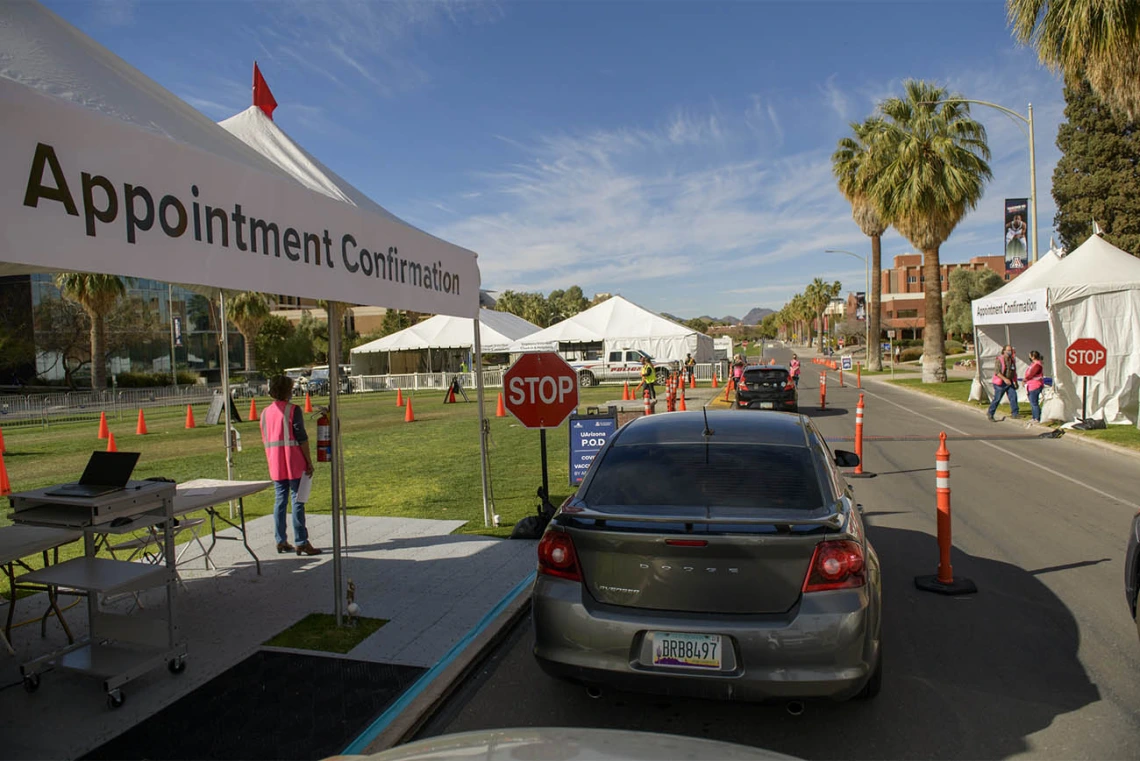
{"points": [[834, 97], [354, 43]]}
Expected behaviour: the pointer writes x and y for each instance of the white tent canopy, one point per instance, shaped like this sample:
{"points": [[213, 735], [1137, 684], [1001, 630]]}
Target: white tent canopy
{"points": [[619, 324], [1093, 292], [103, 170], [499, 330]]}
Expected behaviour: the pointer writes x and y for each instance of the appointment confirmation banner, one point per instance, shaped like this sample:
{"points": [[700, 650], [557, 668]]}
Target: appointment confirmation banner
{"points": [[82, 191], [1028, 306]]}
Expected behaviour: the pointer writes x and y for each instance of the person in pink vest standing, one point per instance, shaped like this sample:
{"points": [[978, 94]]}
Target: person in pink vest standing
{"points": [[1034, 382], [287, 450], [1005, 383]]}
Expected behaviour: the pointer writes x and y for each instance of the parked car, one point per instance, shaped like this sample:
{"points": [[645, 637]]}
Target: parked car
{"points": [[1132, 571], [767, 387], [300, 376], [719, 556], [318, 384]]}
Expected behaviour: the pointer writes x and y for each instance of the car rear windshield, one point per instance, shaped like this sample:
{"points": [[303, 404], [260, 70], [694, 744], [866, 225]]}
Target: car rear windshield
{"points": [[757, 476], [765, 376]]}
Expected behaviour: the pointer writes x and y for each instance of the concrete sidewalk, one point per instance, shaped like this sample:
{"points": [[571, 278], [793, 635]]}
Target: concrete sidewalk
{"points": [[433, 587]]}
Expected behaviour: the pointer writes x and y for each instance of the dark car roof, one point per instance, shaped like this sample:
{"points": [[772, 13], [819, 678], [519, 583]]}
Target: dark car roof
{"points": [[774, 428], [766, 367]]}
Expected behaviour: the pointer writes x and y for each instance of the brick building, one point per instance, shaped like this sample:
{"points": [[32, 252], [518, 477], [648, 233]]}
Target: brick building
{"points": [[903, 301]]}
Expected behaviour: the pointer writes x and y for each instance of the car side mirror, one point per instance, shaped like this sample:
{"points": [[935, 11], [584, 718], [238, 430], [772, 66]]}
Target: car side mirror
{"points": [[846, 459]]}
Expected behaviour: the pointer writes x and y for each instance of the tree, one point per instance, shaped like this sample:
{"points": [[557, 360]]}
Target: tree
{"points": [[819, 295], [932, 171], [851, 331], [1098, 175], [63, 333], [563, 304], [394, 321], [97, 294], [853, 165], [1097, 40], [316, 333], [532, 307], [965, 286], [697, 324], [277, 346], [247, 310]]}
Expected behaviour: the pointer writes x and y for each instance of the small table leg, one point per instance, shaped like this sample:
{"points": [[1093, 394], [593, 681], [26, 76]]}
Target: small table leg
{"points": [[245, 538]]}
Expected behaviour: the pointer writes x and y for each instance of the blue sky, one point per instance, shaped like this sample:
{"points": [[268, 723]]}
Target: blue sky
{"points": [[674, 152]]}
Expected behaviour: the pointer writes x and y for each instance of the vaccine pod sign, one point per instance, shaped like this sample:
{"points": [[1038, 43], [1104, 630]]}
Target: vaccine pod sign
{"points": [[588, 434]]}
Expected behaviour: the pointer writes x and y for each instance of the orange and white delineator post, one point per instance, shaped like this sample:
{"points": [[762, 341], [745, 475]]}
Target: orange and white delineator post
{"points": [[648, 406], [859, 435], [823, 390], [944, 582]]}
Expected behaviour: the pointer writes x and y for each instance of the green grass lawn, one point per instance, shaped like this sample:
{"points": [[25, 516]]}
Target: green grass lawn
{"points": [[426, 469], [958, 390], [318, 631]]}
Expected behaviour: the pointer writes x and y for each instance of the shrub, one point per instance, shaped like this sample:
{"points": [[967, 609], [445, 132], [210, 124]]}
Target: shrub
{"points": [[911, 353], [954, 347], [146, 380]]}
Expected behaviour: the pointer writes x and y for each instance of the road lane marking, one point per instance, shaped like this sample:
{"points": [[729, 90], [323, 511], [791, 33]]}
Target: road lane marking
{"points": [[1026, 460]]}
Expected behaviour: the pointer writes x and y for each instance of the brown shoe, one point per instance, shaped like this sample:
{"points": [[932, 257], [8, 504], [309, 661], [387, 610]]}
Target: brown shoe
{"points": [[284, 547], [307, 549]]}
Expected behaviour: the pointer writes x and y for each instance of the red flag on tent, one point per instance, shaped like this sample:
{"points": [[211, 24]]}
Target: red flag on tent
{"points": [[262, 97]]}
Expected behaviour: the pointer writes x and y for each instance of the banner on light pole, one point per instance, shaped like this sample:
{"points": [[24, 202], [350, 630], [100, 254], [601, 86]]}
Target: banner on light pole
{"points": [[1016, 250]]}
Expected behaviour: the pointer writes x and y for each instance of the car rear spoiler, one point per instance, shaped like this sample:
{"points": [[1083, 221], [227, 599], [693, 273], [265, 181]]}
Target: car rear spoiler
{"points": [[835, 520]]}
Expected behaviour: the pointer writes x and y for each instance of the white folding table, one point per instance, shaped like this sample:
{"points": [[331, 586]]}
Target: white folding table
{"points": [[19, 542], [207, 493]]}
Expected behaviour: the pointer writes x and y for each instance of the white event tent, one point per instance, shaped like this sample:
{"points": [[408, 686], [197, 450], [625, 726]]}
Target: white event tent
{"points": [[441, 334], [103, 170], [1093, 292], [618, 324]]}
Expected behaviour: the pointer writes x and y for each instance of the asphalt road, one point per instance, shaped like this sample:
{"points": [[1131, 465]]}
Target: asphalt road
{"points": [[1043, 662]]}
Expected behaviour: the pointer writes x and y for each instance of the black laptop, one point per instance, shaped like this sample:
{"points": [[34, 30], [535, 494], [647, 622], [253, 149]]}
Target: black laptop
{"points": [[106, 472]]}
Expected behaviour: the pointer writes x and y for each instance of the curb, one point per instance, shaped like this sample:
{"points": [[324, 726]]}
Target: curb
{"points": [[1069, 435], [412, 710]]}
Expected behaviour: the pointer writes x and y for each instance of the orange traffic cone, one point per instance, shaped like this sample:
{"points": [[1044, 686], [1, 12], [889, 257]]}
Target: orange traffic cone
{"points": [[253, 410], [190, 417], [5, 486], [714, 383], [681, 401], [451, 396], [501, 411], [409, 416], [692, 380], [399, 397], [103, 425], [111, 442], [140, 428], [3, 449], [308, 403], [625, 397]]}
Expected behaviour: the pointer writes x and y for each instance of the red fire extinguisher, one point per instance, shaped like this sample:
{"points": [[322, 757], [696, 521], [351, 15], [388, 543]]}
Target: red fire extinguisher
{"points": [[324, 438]]}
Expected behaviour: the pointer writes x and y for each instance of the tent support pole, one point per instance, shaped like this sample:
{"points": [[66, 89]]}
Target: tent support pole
{"points": [[227, 402], [333, 309], [483, 428]]}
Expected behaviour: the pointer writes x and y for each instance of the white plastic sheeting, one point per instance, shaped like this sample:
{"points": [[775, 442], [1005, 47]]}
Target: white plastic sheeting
{"points": [[1094, 292], [620, 324]]}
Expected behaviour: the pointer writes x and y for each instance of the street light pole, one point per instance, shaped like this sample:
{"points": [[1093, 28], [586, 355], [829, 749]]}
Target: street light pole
{"points": [[866, 292], [1032, 160]]}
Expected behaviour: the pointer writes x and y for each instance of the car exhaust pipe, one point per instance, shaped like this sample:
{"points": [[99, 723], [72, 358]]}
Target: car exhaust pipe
{"points": [[594, 692], [795, 707]]}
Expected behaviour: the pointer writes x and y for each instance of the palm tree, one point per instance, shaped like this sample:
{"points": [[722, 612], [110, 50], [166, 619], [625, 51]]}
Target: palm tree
{"points": [[818, 295], [1091, 39], [97, 294], [853, 165], [247, 310], [932, 171]]}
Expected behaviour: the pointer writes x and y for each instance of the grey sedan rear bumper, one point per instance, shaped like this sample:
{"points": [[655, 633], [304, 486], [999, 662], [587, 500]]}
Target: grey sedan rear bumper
{"points": [[826, 647]]}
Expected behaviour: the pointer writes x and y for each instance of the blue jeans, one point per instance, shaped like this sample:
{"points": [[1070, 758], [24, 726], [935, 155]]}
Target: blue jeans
{"points": [[1035, 404], [999, 392], [285, 488]]}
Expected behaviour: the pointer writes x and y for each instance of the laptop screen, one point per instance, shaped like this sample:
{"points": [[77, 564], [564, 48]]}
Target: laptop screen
{"points": [[109, 469]]}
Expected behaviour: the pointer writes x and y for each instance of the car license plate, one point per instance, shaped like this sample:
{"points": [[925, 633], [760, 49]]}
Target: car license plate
{"points": [[686, 650], [767, 405]]}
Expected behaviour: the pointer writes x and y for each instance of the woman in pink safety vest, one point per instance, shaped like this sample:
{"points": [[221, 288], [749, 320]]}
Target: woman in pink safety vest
{"points": [[1034, 382], [1005, 383], [794, 367], [287, 450]]}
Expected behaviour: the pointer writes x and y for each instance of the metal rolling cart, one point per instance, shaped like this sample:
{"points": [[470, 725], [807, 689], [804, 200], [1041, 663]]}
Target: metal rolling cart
{"points": [[119, 647]]}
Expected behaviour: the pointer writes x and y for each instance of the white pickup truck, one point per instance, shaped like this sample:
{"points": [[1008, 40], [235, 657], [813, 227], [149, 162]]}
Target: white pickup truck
{"points": [[618, 366]]}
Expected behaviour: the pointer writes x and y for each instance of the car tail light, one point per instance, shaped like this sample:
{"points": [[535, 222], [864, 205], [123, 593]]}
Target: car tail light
{"points": [[556, 556], [835, 565]]}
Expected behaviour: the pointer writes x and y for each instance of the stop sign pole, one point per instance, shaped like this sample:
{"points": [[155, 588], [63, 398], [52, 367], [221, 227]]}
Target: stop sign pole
{"points": [[541, 392], [1086, 357]]}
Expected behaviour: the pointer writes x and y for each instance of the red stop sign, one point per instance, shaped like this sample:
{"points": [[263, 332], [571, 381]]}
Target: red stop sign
{"points": [[541, 390], [1086, 356]]}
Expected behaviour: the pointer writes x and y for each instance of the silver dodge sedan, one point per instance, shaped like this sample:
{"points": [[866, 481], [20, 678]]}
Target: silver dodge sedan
{"points": [[713, 555]]}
